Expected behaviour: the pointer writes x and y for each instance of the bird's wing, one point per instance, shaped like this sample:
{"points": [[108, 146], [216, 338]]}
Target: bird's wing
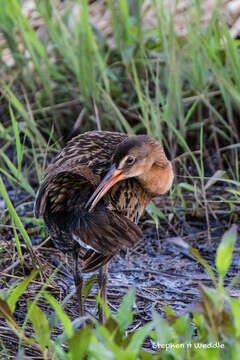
{"points": [[106, 231], [62, 183]]}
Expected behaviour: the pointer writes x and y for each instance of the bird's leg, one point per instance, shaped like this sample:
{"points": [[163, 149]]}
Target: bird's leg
{"points": [[127, 256], [78, 280], [102, 283]]}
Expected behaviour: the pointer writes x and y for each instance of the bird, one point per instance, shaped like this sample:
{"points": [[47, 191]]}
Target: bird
{"points": [[93, 194]]}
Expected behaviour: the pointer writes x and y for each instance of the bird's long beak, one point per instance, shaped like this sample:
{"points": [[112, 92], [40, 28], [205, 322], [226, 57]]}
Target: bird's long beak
{"points": [[111, 178]]}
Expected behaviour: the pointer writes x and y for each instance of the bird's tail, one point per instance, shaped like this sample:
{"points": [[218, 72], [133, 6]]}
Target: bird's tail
{"points": [[93, 261]]}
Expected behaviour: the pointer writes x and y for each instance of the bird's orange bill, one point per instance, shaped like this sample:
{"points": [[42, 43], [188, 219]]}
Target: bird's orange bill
{"points": [[112, 177]]}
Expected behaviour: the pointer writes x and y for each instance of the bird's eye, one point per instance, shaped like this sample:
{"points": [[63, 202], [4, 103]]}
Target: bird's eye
{"points": [[130, 160]]}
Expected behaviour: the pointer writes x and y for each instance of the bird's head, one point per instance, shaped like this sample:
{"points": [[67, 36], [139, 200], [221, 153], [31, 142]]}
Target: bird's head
{"points": [[141, 157]]}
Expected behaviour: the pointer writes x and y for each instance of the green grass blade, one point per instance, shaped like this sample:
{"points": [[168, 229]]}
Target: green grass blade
{"points": [[14, 215]]}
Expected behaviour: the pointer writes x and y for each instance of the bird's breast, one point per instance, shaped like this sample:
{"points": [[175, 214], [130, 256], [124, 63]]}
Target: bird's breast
{"points": [[128, 198]]}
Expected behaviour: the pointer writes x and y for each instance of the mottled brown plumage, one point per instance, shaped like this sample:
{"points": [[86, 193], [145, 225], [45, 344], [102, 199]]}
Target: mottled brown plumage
{"points": [[98, 220]]}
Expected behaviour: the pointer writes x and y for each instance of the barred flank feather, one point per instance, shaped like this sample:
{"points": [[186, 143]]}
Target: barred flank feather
{"points": [[102, 229], [93, 261]]}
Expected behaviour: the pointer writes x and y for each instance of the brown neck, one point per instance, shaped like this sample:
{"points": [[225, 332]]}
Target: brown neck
{"points": [[157, 180]]}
